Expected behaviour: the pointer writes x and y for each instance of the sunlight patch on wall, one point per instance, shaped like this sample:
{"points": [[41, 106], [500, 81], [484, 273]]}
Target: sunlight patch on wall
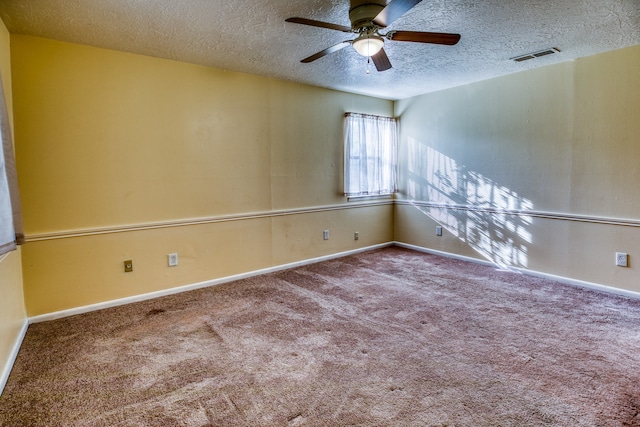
{"points": [[470, 206]]}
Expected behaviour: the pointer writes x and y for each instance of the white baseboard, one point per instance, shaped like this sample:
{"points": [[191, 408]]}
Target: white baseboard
{"points": [[6, 369], [445, 254], [143, 297], [561, 279], [580, 283]]}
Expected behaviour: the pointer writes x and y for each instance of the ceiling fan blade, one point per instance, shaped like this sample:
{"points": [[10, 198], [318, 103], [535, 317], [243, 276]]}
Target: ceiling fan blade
{"points": [[393, 11], [320, 24], [424, 37], [381, 60], [327, 51]]}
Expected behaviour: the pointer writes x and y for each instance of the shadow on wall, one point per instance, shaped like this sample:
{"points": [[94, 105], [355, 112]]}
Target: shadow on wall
{"points": [[476, 210]]}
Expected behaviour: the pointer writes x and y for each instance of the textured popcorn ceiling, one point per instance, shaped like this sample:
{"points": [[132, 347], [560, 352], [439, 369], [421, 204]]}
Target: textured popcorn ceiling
{"points": [[251, 36]]}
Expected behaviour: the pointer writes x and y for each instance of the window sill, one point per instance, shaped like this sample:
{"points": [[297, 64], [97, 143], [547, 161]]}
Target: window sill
{"points": [[371, 197]]}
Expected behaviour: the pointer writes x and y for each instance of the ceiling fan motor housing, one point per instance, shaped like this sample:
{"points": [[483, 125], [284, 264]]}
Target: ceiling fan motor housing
{"points": [[362, 12]]}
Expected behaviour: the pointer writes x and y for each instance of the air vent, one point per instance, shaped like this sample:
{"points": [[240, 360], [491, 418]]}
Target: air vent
{"points": [[534, 55]]}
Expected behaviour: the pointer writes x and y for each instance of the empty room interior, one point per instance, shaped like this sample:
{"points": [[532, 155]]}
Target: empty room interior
{"points": [[163, 148]]}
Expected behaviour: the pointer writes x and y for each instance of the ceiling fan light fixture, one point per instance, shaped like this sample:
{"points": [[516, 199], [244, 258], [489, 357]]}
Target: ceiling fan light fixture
{"points": [[368, 46]]}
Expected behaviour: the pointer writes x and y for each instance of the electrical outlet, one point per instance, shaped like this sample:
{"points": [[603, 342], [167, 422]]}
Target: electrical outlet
{"points": [[622, 259], [325, 234], [438, 230], [128, 266], [172, 259], [356, 235]]}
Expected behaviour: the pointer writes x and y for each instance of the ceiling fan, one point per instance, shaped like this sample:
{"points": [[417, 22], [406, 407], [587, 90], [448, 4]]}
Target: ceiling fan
{"points": [[368, 18]]}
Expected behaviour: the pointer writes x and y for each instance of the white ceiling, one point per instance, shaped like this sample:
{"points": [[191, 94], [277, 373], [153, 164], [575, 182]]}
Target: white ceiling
{"points": [[251, 36]]}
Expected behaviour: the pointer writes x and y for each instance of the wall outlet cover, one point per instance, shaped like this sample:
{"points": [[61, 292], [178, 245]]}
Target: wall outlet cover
{"points": [[172, 259], [622, 259]]}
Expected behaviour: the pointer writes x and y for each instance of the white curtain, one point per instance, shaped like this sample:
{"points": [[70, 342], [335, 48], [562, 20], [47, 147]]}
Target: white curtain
{"points": [[10, 214], [370, 155]]}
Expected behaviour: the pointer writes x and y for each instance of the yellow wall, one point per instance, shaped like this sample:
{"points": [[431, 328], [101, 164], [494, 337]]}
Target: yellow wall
{"points": [[12, 312], [116, 150], [109, 140], [561, 139]]}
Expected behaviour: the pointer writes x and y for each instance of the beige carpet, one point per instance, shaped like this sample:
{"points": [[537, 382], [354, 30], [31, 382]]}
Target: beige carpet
{"points": [[390, 337]]}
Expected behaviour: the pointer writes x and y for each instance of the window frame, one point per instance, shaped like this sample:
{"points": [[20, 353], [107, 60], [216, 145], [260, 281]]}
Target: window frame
{"points": [[376, 176], [11, 232]]}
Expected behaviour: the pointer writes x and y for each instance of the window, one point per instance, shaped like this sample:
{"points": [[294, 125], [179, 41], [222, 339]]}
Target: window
{"points": [[370, 151], [10, 218]]}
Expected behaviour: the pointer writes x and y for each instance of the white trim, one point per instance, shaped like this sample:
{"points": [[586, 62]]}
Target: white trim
{"points": [[352, 202], [151, 295], [580, 283], [561, 279], [8, 366], [388, 197], [197, 221], [628, 222], [445, 254]]}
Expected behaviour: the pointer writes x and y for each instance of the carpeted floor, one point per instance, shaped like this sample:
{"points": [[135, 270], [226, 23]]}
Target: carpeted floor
{"points": [[390, 337]]}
